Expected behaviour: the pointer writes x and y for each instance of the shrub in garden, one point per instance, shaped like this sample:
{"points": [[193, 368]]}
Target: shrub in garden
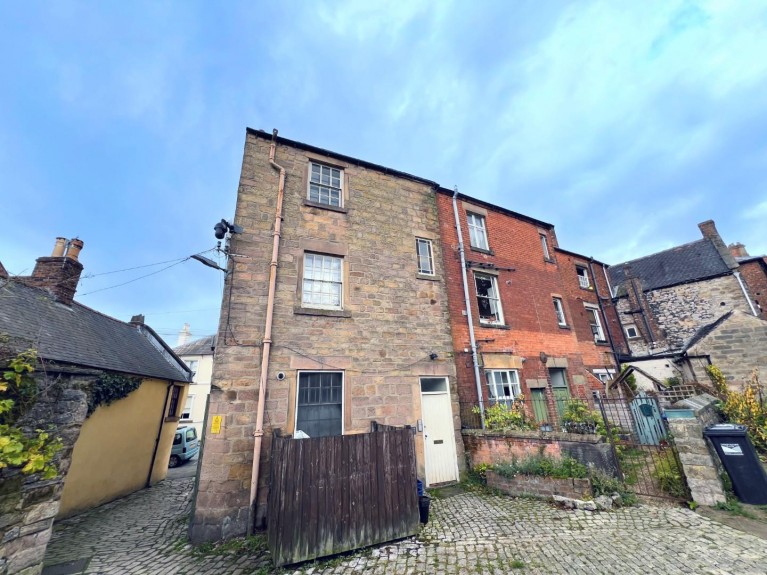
{"points": [[500, 417]]}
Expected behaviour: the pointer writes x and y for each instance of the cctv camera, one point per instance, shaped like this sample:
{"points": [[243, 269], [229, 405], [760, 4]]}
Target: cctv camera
{"points": [[220, 229]]}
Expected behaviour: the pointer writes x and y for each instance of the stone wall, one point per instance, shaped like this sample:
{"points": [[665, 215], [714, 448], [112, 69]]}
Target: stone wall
{"points": [[681, 310], [391, 320], [487, 447], [535, 486], [737, 347], [28, 504], [699, 467]]}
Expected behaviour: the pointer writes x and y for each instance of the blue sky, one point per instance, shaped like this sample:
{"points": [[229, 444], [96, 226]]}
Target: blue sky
{"points": [[622, 123]]}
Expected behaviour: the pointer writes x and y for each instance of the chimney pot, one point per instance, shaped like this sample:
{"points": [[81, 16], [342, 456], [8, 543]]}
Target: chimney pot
{"points": [[75, 245], [59, 247], [738, 250]]}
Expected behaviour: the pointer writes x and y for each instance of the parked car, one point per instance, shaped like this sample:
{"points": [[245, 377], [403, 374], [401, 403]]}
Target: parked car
{"points": [[185, 446]]}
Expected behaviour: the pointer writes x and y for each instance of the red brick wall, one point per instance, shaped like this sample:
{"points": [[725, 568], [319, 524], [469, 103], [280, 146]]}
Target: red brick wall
{"points": [[755, 275], [526, 297]]}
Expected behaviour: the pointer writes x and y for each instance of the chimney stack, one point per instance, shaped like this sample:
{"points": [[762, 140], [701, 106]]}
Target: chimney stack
{"points": [[184, 335], [60, 273], [738, 250], [708, 229], [137, 319]]}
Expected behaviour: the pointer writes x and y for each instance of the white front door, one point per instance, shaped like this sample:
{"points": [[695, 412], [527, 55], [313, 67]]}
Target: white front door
{"points": [[438, 431]]}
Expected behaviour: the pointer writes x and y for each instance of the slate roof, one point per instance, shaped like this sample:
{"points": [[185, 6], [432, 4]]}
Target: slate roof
{"points": [[203, 346], [82, 336], [691, 262]]}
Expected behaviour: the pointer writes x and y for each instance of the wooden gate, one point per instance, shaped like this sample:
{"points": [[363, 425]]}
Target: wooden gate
{"points": [[334, 494], [650, 427]]}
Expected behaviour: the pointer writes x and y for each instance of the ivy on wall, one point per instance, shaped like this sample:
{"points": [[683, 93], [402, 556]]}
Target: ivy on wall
{"points": [[111, 387], [32, 453]]}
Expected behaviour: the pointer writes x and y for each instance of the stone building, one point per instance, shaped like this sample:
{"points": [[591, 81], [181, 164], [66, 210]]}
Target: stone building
{"points": [[113, 442], [665, 299], [536, 319], [358, 331]]}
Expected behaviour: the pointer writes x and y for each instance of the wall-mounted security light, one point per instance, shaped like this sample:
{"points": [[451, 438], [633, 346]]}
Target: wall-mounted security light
{"points": [[223, 227]]}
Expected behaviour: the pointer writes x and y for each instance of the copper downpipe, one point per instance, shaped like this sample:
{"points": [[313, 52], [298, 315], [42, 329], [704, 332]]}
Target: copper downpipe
{"points": [[267, 341]]}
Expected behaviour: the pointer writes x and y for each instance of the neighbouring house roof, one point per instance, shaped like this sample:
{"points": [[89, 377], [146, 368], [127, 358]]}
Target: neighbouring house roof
{"points": [[706, 330], [82, 336], [687, 263], [202, 346]]}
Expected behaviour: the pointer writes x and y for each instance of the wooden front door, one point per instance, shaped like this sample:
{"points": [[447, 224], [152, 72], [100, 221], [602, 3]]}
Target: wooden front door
{"points": [[438, 432]]}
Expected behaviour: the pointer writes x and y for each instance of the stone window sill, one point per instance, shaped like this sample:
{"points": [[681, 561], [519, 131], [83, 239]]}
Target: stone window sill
{"points": [[312, 204], [493, 325], [603, 343], [549, 260], [431, 278], [565, 327], [171, 419], [322, 312], [482, 251]]}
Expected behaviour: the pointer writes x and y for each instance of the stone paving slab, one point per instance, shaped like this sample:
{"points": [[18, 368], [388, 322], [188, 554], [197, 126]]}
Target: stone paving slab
{"points": [[145, 534]]}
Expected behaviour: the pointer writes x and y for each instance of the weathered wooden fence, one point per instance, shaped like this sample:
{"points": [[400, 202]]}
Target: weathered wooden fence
{"points": [[334, 494]]}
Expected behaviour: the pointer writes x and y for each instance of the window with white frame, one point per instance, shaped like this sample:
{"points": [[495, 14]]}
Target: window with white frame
{"points": [[325, 185], [192, 365], [488, 300], [631, 331], [583, 277], [545, 246], [560, 311], [503, 385], [477, 231], [323, 281], [595, 322], [319, 403], [425, 258], [186, 413]]}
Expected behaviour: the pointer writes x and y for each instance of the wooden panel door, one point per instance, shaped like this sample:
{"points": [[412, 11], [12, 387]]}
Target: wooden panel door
{"points": [[438, 431]]}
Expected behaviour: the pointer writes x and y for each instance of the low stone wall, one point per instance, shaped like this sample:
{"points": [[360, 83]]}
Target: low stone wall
{"points": [[536, 486], [491, 447], [700, 465], [28, 504]]}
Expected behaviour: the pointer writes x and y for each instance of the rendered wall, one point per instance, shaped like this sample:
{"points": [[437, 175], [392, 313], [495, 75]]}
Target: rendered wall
{"points": [[113, 454]]}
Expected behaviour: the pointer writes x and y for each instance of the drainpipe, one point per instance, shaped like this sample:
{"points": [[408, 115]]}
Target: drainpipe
{"points": [[267, 342], [745, 293], [641, 310], [604, 315], [159, 433], [607, 279], [469, 319]]}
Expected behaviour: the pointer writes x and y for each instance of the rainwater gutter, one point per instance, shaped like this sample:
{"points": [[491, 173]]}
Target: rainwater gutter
{"points": [[467, 300], [267, 341], [604, 315]]}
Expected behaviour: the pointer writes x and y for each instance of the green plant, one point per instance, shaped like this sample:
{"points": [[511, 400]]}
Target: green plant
{"points": [[745, 407], [500, 417], [480, 471], [669, 474], [604, 484], [31, 453], [630, 380], [672, 381], [578, 418], [693, 505], [110, 387], [540, 465]]}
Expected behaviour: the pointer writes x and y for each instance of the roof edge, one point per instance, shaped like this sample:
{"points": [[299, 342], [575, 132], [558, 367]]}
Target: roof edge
{"points": [[488, 205], [348, 159]]}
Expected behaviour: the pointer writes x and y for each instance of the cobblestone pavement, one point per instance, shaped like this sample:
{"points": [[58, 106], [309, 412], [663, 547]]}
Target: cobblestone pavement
{"points": [[145, 533]]}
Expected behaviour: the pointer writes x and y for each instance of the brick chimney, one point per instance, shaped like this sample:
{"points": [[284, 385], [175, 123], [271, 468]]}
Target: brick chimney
{"points": [[738, 250], [708, 229], [3, 272], [59, 273]]}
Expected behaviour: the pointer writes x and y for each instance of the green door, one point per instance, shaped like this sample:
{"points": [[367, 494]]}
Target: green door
{"points": [[540, 410], [560, 389]]}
